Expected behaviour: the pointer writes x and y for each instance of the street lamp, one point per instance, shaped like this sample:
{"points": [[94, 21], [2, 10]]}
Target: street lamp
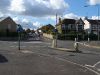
{"points": [[98, 20], [88, 30], [88, 36], [76, 39]]}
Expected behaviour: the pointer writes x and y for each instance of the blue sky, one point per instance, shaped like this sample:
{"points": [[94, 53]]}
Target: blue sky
{"points": [[77, 7], [35, 13]]}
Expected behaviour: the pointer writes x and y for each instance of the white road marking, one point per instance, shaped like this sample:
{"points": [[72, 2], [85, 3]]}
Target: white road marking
{"points": [[93, 65], [96, 63], [84, 66], [98, 69], [26, 51], [91, 46], [89, 65], [12, 46], [88, 45], [80, 43]]}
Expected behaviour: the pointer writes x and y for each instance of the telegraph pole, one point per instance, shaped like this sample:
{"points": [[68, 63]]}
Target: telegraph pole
{"points": [[98, 23], [56, 32], [18, 40]]}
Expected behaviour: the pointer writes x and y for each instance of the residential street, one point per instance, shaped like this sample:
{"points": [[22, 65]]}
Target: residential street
{"points": [[38, 58], [49, 37]]}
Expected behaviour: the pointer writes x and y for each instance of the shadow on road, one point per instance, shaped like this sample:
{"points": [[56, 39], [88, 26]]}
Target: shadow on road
{"points": [[3, 59], [75, 51], [82, 52]]}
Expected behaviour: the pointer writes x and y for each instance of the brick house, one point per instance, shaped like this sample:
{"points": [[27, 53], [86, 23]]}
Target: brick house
{"points": [[7, 25]]}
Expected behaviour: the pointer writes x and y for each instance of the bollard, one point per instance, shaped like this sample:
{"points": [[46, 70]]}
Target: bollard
{"points": [[88, 39], [75, 39], [76, 46], [54, 43]]}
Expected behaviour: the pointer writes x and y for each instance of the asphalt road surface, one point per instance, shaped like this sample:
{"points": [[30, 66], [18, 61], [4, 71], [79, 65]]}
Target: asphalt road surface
{"points": [[38, 58]]}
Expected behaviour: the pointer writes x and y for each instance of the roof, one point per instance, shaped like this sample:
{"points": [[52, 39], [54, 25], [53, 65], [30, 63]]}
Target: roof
{"points": [[93, 21], [79, 21], [68, 21], [4, 18]]}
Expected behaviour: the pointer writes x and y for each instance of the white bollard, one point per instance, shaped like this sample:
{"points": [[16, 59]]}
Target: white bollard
{"points": [[88, 39], [76, 46], [75, 39], [54, 43]]}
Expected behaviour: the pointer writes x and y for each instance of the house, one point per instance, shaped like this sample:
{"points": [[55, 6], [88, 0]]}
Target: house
{"points": [[91, 26], [79, 25], [7, 25], [67, 25]]}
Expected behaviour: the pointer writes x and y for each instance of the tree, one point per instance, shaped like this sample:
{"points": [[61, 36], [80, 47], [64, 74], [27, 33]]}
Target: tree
{"points": [[28, 30], [33, 31], [47, 28]]}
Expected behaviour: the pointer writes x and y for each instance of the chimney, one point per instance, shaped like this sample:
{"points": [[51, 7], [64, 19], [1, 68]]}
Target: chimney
{"points": [[59, 20], [86, 18]]}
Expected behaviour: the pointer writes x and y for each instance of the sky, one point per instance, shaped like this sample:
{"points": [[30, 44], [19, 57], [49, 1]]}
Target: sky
{"points": [[36, 13]]}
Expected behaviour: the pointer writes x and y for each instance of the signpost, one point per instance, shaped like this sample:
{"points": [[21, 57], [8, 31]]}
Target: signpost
{"points": [[19, 30], [18, 40]]}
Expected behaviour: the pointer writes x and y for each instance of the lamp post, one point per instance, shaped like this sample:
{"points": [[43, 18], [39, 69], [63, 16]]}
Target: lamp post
{"points": [[98, 20], [88, 39], [18, 40], [76, 39], [88, 36], [56, 31]]}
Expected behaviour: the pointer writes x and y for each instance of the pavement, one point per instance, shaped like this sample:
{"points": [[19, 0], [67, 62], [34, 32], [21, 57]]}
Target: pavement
{"points": [[94, 44], [38, 58]]}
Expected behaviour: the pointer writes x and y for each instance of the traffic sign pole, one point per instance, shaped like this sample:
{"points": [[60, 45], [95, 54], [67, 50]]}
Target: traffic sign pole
{"points": [[18, 40], [19, 30]]}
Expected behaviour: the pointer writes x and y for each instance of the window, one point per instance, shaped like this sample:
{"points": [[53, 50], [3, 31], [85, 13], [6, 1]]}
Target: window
{"points": [[80, 27], [94, 27]]}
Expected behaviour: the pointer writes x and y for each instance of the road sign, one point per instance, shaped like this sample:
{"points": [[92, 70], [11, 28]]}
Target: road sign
{"points": [[19, 28]]}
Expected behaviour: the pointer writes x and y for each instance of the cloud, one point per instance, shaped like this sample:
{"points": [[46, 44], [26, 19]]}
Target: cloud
{"points": [[25, 23], [1, 14], [25, 20], [94, 2], [17, 6], [37, 24], [4, 4], [71, 16], [36, 8], [17, 20], [95, 17]]}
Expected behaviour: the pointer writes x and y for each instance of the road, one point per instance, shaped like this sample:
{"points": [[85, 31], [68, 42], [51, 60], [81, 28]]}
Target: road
{"points": [[38, 58]]}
